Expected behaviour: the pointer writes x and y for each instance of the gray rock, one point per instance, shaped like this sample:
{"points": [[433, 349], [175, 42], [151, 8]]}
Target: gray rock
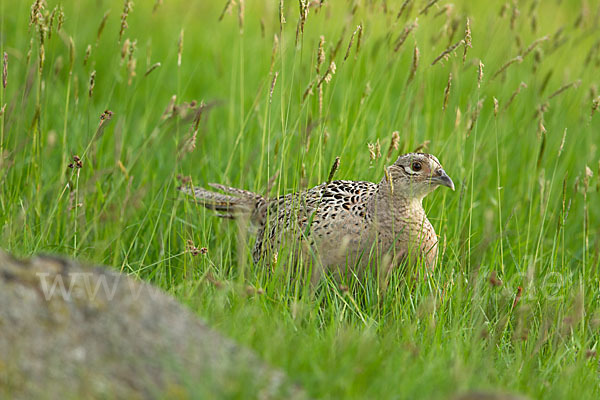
{"points": [[73, 332]]}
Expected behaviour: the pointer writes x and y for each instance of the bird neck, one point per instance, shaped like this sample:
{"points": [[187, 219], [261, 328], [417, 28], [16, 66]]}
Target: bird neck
{"points": [[391, 203]]}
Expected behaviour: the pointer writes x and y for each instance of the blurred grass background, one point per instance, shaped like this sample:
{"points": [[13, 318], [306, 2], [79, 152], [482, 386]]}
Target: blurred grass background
{"points": [[236, 100]]}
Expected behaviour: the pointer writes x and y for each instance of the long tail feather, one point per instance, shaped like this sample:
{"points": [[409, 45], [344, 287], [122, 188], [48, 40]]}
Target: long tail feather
{"points": [[235, 191], [238, 203]]}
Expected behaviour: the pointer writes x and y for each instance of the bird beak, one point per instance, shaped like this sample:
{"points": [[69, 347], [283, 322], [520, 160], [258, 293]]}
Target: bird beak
{"points": [[441, 178]]}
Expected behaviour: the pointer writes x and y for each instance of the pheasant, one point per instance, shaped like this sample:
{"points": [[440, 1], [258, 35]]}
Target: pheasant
{"points": [[343, 223]]}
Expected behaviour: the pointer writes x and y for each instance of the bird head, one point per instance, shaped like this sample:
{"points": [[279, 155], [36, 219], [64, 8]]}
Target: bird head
{"points": [[414, 175]]}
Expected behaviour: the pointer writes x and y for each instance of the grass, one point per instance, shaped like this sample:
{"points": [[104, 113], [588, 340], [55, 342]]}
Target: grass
{"points": [[514, 304]]}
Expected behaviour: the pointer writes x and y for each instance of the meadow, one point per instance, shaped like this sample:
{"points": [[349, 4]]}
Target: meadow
{"points": [[108, 106]]}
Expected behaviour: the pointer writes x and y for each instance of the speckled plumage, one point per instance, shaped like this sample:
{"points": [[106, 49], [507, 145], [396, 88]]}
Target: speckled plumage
{"points": [[343, 223]]}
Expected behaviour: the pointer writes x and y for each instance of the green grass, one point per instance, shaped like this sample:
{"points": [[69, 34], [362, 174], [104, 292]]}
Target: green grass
{"points": [[523, 208]]}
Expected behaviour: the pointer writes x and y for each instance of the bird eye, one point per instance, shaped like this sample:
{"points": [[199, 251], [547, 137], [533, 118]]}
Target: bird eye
{"points": [[416, 166]]}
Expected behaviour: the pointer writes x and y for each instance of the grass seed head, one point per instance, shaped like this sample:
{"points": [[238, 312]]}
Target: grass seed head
{"points": [[152, 68], [262, 28], [583, 13], [474, 116], [194, 251], [92, 83], [281, 16], [320, 53], [519, 43], [106, 116], [325, 136], [350, 44], [415, 64], [359, 38], [517, 59], [595, 104], [333, 170], [458, 118], [127, 8], [545, 81], [428, 6], [226, 9], [41, 58], [562, 142], [309, 88], [273, 82], [447, 9], [36, 15], [557, 37], [337, 46], [5, 70], [468, 39], [534, 45], [374, 150], [541, 130], [241, 9], [51, 20], [533, 22], [480, 74], [320, 89], [450, 29], [447, 92], [588, 174], [131, 62], [521, 86], [330, 72], [402, 8], [190, 144], [274, 52], [537, 60], [102, 25], [179, 48], [394, 143], [302, 20], [574, 84], [541, 109], [125, 49], [514, 15], [77, 163], [402, 37], [88, 52], [61, 19], [422, 146], [445, 53], [357, 31]]}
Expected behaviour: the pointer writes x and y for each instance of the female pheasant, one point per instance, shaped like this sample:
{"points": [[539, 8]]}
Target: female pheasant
{"points": [[343, 223]]}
